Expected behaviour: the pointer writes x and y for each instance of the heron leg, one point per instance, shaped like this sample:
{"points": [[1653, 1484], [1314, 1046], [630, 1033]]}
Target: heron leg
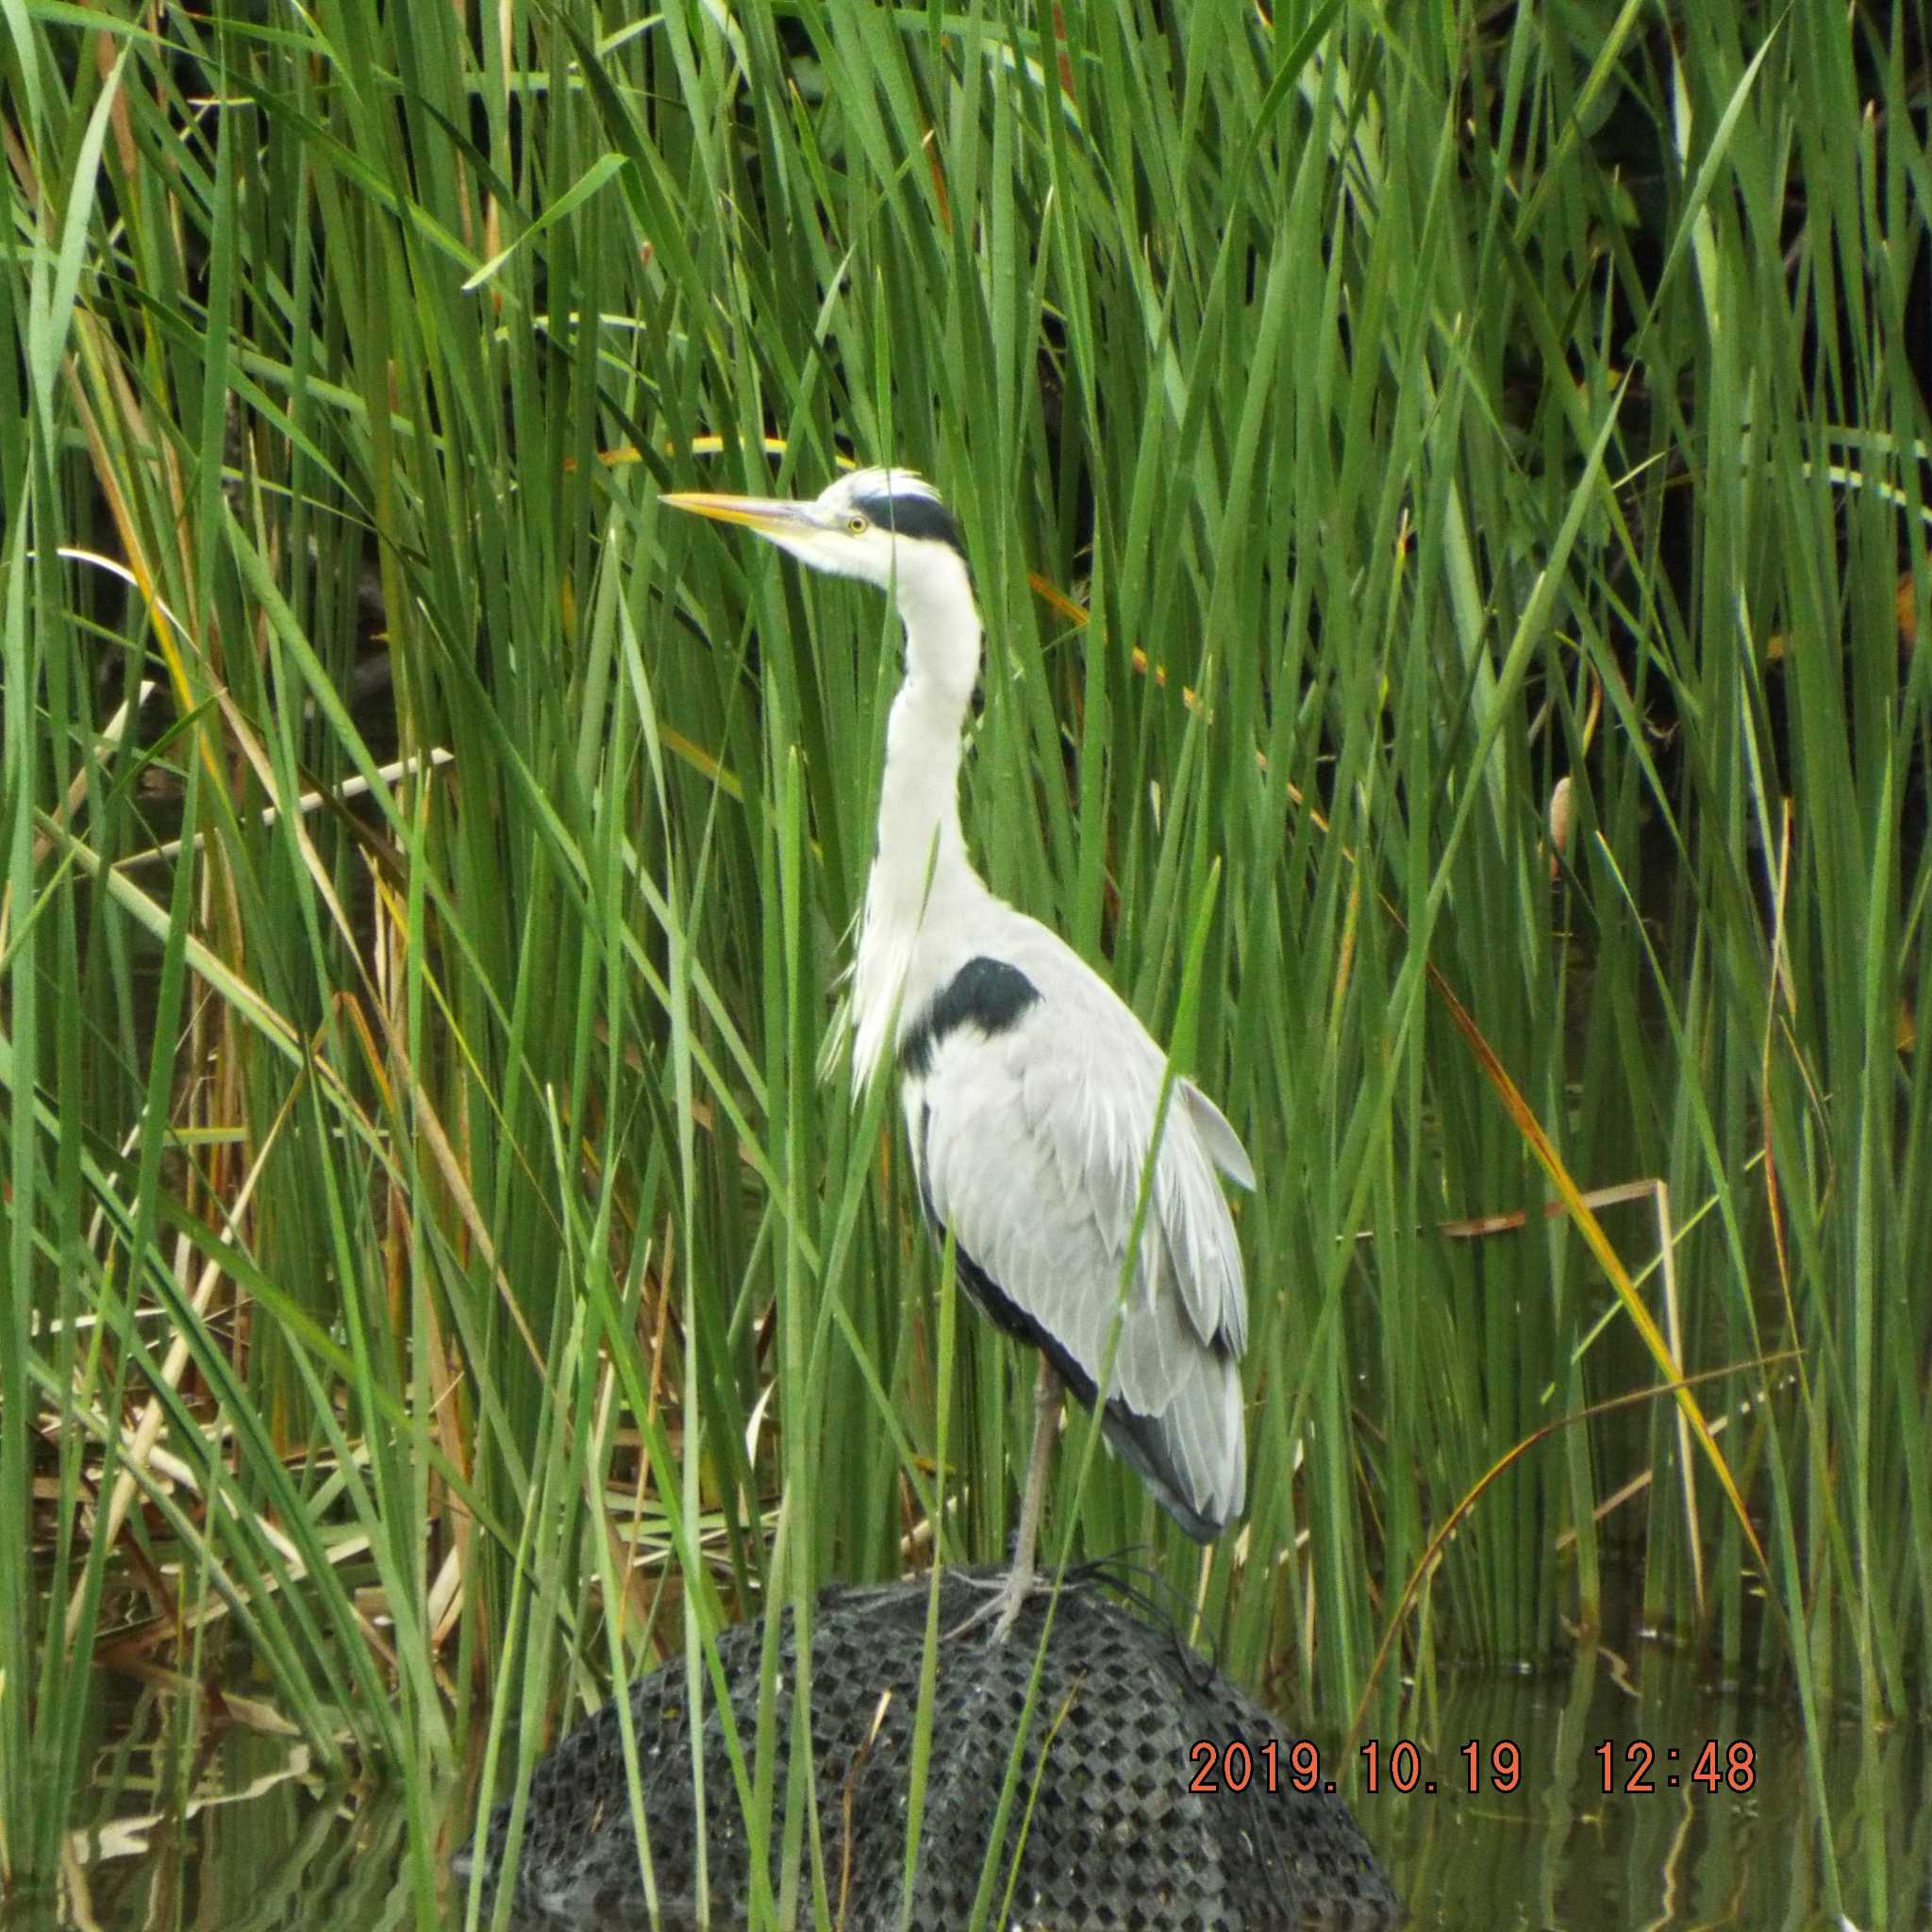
{"points": [[1005, 1606], [1046, 1426]]}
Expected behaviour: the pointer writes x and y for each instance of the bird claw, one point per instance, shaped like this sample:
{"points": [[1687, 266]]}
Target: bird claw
{"points": [[1004, 1600]]}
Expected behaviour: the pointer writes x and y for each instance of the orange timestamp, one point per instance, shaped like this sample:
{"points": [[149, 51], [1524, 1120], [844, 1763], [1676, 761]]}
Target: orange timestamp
{"points": [[1647, 1768], [1634, 1769], [1235, 1766]]}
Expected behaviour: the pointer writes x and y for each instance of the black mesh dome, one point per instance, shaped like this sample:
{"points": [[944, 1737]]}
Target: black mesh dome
{"points": [[1115, 1841]]}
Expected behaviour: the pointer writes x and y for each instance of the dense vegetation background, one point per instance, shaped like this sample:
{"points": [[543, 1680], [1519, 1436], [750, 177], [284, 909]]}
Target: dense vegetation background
{"points": [[1447, 489]]}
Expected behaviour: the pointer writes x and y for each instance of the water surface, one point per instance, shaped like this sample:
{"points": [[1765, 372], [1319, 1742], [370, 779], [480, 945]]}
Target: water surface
{"points": [[244, 1834]]}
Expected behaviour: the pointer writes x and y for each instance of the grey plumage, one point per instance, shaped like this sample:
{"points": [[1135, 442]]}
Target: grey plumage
{"points": [[1029, 1146], [1031, 1092]]}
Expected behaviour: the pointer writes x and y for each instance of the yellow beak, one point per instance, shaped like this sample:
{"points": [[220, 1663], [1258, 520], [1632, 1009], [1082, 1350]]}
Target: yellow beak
{"points": [[769, 516]]}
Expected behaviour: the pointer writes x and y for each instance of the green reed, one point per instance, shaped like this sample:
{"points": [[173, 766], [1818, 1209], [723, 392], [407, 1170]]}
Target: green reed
{"points": [[438, 1280]]}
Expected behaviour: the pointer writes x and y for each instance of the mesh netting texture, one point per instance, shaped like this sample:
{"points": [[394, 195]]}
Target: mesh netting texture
{"points": [[1116, 1842]]}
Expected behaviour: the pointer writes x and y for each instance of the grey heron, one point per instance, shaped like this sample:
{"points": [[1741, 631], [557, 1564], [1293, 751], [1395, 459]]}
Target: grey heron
{"points": [[1029, 1089]]}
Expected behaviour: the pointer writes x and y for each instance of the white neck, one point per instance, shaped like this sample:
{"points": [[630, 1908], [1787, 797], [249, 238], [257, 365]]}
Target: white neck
{"points": [[920, 868]]}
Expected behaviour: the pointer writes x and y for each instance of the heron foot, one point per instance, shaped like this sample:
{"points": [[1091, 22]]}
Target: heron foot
{"points": [[1004, 1600]]}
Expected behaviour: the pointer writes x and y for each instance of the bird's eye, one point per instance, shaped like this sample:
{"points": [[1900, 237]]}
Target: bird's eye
{"points": [[857, 524]]}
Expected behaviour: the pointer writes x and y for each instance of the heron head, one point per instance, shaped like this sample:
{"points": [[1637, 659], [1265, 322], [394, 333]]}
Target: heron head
{"points": [[888, 527]]}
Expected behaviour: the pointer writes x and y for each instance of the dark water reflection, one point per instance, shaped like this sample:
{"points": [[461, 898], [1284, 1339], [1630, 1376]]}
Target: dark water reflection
{"points": [[1561, 1850], [248, 1837]]}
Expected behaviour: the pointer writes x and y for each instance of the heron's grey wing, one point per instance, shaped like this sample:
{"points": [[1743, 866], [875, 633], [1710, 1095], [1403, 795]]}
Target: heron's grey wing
{"points": [[1222, 1144], [1030, 1145]]}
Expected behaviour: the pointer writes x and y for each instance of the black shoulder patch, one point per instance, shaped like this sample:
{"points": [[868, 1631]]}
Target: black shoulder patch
{"points": [[985, 993], [910, 515]]}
